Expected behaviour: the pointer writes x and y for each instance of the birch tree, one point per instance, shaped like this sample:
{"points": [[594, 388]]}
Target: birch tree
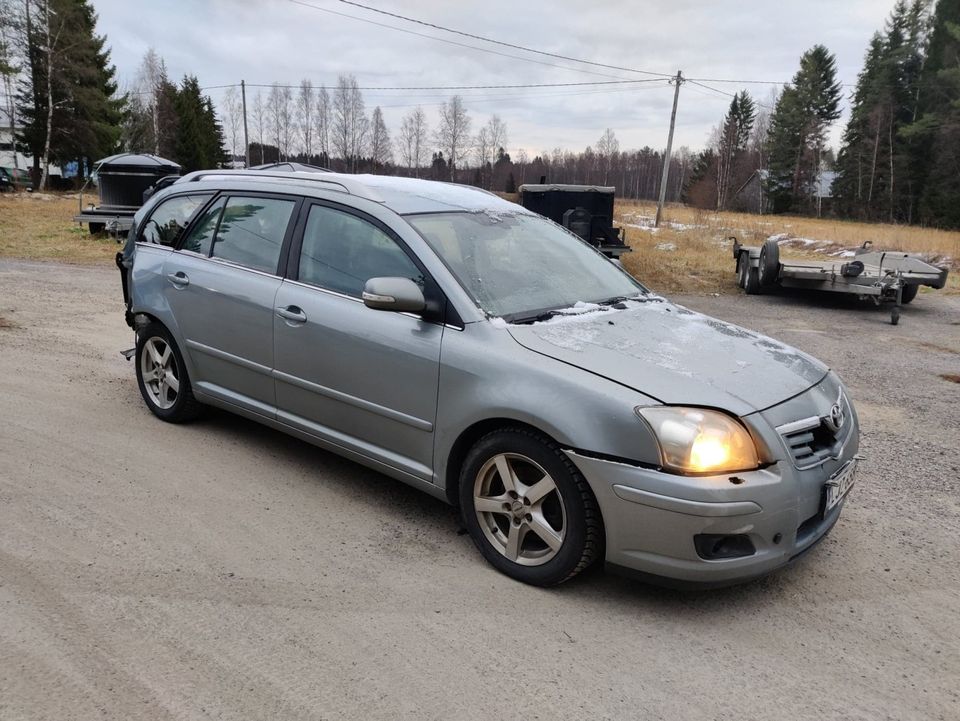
{"points": [[413, 140], [322, 119], [259, 122], [454, 133], [305, 112], [349, 123], [607, 148], [233, 119]]}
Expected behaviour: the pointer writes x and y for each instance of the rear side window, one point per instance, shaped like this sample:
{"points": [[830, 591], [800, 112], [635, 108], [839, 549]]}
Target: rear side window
{"points": [[169, 219], [251, 232], [200, 237], [341, 252]]}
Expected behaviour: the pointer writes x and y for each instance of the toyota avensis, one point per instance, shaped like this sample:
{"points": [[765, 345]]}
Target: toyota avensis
{"points": [[483, 354]]}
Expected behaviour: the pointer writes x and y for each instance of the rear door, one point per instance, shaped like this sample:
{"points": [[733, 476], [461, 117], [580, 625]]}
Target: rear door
{"points": [[363, 379], [221, 284]]}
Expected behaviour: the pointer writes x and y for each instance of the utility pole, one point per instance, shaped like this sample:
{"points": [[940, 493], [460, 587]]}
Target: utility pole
{"points": [[246, 143], [677, 81]]}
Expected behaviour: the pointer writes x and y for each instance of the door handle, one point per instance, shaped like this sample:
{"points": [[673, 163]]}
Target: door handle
{"points": [[179, 279], [292, 313]]}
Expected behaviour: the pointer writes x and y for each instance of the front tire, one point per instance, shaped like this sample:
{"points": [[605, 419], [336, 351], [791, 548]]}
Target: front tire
{"points": [[769, 266], [528, 509], [162, 376]]}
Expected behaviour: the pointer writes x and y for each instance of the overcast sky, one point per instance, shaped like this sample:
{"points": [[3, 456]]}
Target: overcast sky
{"points": [[261, 41]]}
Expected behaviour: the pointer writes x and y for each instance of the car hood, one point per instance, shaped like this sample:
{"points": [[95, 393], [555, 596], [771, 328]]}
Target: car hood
{"points": [[676, 356]]}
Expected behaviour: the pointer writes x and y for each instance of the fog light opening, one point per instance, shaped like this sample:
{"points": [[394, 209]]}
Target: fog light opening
{"points": [[714, 546]]}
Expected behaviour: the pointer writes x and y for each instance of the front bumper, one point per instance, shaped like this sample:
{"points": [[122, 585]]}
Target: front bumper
{"points": [[652, 518]]}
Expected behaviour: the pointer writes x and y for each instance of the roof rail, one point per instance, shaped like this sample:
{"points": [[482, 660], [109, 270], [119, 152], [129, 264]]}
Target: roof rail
{"points": [[342, 183]]}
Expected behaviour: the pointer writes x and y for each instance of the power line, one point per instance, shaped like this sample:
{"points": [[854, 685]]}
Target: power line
{"points": [[492, 98], [502, 43], [473, 87], [451, 42]]}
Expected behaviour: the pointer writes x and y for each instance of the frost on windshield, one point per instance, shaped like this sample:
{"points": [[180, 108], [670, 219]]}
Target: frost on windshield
{"points": [[673, 338]]}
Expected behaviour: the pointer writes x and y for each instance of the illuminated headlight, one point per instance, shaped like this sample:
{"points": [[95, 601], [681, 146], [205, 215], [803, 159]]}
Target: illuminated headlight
{"points": [[696, 440]]}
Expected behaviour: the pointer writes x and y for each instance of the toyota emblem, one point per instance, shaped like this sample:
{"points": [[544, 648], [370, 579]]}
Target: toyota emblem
{"points": [[836, 418]]}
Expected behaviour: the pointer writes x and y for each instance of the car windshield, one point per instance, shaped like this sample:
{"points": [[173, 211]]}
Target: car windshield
{"points": [[520, 266]]}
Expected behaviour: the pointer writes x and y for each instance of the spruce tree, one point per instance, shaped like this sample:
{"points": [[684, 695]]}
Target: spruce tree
{"points": [[71, 73], [734, 134], [798, 126], [935, 135]]}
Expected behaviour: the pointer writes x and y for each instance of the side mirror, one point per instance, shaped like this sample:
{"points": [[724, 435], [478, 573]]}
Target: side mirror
{"points": [[396, 294]]}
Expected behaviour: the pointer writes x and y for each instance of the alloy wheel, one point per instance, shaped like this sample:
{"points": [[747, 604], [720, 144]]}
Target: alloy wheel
{"points": [[161, 377], [520, 509]]}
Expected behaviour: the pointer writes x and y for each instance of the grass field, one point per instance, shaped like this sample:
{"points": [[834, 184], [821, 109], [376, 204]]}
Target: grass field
{"points": [[38, 226], [690, 252]]}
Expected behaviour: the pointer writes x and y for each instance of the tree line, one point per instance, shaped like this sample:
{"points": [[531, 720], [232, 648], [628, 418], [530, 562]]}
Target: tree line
{"points": [[900, 151], [897, 161]]}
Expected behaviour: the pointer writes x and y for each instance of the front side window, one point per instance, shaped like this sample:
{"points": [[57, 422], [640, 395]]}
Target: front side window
{"points": [[251, 232], [168, 221], [341, 252]]}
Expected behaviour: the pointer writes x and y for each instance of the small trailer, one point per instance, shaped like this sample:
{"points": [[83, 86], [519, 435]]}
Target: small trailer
{"points": [[586, 210], [881, 276], [124, 181]]}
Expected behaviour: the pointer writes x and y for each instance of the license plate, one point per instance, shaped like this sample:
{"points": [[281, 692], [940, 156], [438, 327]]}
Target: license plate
{"points": [[839, 485]]}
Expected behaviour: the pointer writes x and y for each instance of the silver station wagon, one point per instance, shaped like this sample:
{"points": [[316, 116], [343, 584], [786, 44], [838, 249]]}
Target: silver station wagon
{"points": [[483, 354]]}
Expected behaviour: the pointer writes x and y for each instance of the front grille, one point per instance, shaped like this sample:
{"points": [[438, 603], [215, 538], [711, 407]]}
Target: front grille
{"points": [[812, 444]]}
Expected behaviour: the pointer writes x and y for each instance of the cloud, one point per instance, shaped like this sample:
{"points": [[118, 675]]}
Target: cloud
{"points": [[222, 41]]}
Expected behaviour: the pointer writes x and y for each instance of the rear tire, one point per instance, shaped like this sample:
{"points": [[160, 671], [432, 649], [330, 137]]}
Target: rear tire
{"points": [[908, 293], [528, 509], [752, 282], [162, 376]]}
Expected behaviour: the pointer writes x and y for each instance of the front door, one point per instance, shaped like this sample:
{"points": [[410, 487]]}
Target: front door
{"points": [[363, 379]]}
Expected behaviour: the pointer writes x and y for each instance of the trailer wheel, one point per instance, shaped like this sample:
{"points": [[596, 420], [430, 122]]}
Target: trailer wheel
{"points": [[908, 293], [769, 268], [752, 282], [97, 228], [743, 263]]}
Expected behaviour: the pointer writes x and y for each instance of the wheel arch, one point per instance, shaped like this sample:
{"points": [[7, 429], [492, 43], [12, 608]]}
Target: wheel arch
{"points": [[467, 439]]}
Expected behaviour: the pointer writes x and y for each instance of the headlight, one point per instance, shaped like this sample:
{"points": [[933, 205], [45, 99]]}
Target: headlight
{"points": [[695, 440]]}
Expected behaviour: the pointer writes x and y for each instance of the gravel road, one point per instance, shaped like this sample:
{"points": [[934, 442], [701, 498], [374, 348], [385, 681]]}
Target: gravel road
{"points": [[223, 570]]}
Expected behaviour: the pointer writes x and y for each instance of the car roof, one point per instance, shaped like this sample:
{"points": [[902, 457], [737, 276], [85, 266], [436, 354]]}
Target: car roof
{"points": [[405, 196]]}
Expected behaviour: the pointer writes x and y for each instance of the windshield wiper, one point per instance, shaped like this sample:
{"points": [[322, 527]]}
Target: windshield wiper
{"points": [[640, 298], [538, 317]]}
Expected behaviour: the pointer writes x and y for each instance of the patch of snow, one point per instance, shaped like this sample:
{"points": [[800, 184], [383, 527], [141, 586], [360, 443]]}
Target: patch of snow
{"points": [[498, 322], [666, 246]]}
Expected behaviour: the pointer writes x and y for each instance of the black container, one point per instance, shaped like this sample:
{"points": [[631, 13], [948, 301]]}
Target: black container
{"points": [[586, 210], [553, 201], [123, 178]]}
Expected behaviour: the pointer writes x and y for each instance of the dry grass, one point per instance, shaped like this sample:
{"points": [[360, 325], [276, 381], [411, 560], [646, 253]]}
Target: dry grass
{"points": [[693, 253], [694, 247], [38, 226]]}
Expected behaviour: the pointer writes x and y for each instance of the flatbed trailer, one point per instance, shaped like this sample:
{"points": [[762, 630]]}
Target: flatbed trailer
{"points": [[882, 276]]}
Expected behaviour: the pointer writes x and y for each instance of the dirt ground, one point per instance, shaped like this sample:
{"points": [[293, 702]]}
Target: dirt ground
{"points": [[223, 570]]}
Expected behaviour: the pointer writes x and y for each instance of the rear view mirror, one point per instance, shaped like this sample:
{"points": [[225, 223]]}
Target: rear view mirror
{"points": [[396, 294]]}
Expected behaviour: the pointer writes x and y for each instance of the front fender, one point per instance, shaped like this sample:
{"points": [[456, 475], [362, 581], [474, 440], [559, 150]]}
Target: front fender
{"points": [[485, 374]]}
